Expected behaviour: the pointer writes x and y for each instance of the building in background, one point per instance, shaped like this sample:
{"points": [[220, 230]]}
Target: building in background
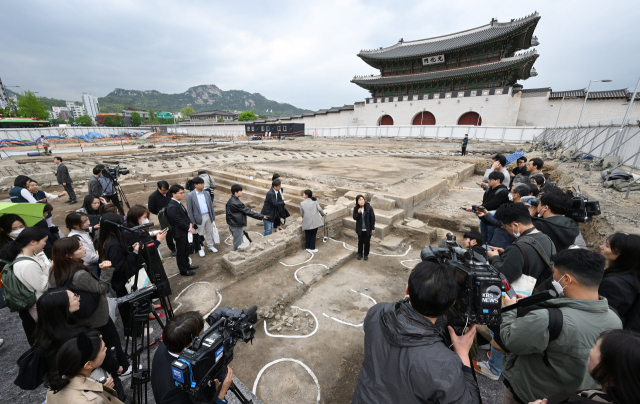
{"points": [[4, 95], [214, 116], [126, 114], [100, 117], [91, 106], [59, 113], [74, 110]]}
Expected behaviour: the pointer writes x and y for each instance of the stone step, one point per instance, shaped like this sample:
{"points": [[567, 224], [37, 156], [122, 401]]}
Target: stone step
{"points": [[256, 189], [292, 207], [265, 184], [389, 216], [382, 230]]}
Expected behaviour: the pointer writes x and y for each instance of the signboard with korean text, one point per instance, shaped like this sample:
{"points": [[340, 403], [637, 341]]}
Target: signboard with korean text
{"points": [[164, 115], [433, 60]]}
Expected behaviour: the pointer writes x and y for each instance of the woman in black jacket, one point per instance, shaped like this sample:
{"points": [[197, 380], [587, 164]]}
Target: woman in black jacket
{"points": [[621, 282], [124, 259], [365, 226], [10, 227]]}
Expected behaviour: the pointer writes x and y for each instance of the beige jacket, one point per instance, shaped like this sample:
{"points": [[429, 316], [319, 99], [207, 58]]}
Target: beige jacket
{"points": [[83, 390]]}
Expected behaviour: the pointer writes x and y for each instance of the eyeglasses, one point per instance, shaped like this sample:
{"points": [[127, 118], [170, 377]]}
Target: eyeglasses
{"points": [[77, 296]]}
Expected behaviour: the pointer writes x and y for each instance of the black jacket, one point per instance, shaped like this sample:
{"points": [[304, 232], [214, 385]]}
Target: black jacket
{"points": [[522, 171], [273, 202], [157, 201], [560, 229], [406, 360], [237, 213], [622, 295], [179, 219], [123, 262], [164, 389], [62, 175], [511, 263], [369, 218], [494, 197]]}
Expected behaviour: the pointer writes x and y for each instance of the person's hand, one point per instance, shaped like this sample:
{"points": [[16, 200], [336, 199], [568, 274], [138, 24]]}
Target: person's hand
{"points": [[62, 194], [509, 301], [469, 209], [96, 227], [105, 264], [102, 200], [497, 250], [373, 231], [162, 235], [136, 246], [533, 211], [481, 212], [287, 201], [266, 218], [360, 210], [512, 174], [55, 173], [462, 345], [119, 372], [541, 401], [225, 384], [109, 383], [64, 184], [495, 165], [483, 185]]}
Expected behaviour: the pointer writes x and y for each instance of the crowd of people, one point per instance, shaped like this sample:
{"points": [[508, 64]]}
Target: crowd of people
{"points": [[587, 340]]}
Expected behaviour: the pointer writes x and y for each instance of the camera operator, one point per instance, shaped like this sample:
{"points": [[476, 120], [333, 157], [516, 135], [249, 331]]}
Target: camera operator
{"points": [[499, 165], [407, 356], [178, 335], [494, 196], [614, 363], [109, 190], [470, 240], [549, 217], [158, 200], [510, 261], [537, 367]]}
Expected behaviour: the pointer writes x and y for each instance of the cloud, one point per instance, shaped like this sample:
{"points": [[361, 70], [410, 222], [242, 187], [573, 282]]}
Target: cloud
{"points": [[303, 53]]}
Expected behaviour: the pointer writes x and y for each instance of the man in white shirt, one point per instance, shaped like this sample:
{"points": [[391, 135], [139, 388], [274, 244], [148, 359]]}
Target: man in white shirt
{"points": [[201, 212], [499, 164]]}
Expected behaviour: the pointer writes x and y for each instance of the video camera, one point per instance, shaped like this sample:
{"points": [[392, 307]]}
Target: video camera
{"points": [[114, 172], [582, 210], [210, 353], [480, 285]]}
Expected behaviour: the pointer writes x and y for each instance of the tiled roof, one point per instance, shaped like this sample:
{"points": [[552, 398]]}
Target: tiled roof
{"points": [[595, 95], [442, 74], [214, 112], [432, 46]]}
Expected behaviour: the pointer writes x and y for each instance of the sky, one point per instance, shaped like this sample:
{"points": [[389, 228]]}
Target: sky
{"points": [[302, 53]]}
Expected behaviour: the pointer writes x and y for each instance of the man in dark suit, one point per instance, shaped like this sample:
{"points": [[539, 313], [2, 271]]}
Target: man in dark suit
{"points": [[179, 219], [64, 179], [95, 187], [178, 335], [157, 201], [272, 203]]}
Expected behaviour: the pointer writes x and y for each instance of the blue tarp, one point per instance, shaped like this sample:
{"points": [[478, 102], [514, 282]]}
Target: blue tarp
{"points": [[85, 138], [94, 135], [13, 142], [513, 157]]}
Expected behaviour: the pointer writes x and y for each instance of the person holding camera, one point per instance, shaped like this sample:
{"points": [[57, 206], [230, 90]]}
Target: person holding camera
{"points": [[94, 185], [177, 335], [538, 365], [109, 189], [494, 196], [182, 226], [69, 271], [499, 165], [410, 355], [75, 361], [158, 200], [365, 219], [237, 214], [549, 217], [201, 213]]}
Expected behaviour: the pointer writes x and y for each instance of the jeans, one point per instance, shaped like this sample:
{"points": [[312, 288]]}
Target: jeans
{"points": [[487, 230], [495, 362], [268, 227]]}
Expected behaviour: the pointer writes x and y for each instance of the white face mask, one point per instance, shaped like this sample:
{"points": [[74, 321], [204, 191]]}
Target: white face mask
{"points": [[16, 233], [558, 287], [516, 235], [145, 221], [511, 197]]}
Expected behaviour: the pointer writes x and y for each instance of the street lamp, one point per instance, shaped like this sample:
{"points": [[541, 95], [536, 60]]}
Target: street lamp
{"points": [[585, 102]]}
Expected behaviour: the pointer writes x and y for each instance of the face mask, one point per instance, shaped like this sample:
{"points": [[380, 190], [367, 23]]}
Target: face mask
{"points": [[145, 221], [516, 235], [558, 287], [16, 233], [511, 197]]}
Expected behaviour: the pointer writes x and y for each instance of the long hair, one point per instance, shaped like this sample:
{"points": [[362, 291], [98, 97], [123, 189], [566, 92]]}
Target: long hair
{"points": [[366, 204], [309, 194], [11, 250], [86, 204], [54, 318], [6, 221], [135, 213], [627, 246], [619, 369], [69, 361], [110, 231], [63, 266]]}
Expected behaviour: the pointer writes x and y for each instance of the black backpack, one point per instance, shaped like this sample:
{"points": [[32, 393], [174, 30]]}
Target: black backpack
{"points": [[548, 271], [164, 220]]}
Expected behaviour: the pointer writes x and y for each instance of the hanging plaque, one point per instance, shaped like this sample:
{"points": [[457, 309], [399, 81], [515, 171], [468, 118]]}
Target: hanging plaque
{"points": [[433, 60]]}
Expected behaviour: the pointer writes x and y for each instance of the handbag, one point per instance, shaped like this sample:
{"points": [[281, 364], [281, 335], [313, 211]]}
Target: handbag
{"points": [[31, 369], [89, 301], [216, 235]]}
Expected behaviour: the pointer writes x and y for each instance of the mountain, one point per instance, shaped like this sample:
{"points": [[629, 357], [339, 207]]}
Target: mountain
{"points": [[201, 98]]}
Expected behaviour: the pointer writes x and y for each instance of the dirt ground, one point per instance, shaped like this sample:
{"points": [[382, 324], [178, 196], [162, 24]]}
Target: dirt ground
{"points": [[309, 341]]}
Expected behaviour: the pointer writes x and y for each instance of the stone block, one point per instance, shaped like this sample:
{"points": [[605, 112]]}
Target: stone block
{"points": [[335, 212], [416, 224], [382, 203], [352, 195], [392, 243], [382, 230], [389, 217]]}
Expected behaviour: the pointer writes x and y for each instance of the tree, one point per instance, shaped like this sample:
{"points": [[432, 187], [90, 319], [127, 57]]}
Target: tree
{"points": [[221, 119], [117, 121], [57, 121], [108, 121], [152, 115], [136, 120], [71, 120], [187, 111], [84, 120], [247, 116], [30, 106]]}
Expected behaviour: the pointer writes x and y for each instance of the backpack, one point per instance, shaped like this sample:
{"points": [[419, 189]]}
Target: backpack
{"points": [[164, 220], [189, 185], [548, 271], [16, 296]]}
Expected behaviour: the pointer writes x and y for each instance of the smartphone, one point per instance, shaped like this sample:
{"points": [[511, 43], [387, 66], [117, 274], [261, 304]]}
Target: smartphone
{"points": [[479, 184]]}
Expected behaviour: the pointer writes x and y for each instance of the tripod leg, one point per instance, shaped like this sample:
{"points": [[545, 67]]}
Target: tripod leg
{"points": [[235, 390]]}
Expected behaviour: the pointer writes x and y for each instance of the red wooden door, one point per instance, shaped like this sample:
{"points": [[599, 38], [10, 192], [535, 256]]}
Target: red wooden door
{"points": [[386, 120], [424, 118], [470, 118]]}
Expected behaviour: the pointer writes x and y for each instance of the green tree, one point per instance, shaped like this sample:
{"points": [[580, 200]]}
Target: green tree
{"points": [[247, 116], [152, 115], [263, 116], [117, 121], [84, 120], [57, 121], [108, 121], [186, 111], [221, 119], [30, 106], [136, 120], [71, 120]]}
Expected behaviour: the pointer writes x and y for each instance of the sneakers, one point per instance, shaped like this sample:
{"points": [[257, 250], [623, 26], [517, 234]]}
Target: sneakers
{"points": [[483, 369], [311, 251], [127, 372], [213, 249], [201, 252], [359, 256], [366, 258], [174, 253]]}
